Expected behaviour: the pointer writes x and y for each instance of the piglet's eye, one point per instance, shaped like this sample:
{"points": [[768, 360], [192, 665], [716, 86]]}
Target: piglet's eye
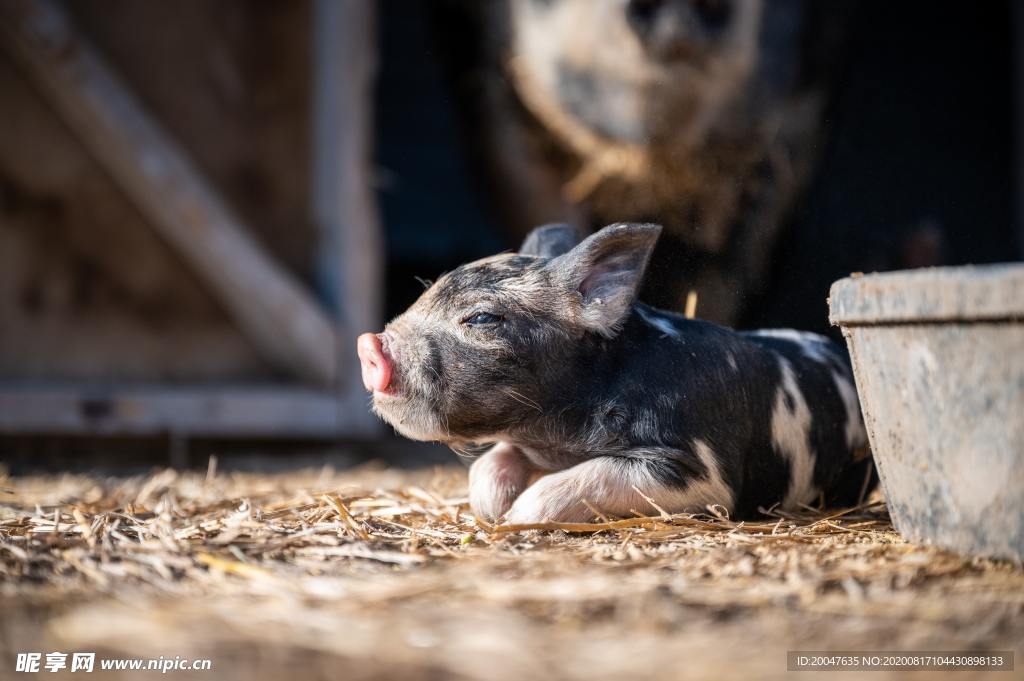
{"points": [[481, 318]]}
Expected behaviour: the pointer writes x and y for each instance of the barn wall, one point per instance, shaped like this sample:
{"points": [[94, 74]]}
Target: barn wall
{"points": [[87, 290]]}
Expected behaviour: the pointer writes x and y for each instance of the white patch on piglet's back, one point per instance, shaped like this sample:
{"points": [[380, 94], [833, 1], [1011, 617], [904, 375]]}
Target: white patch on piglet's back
{"points": [[856, 436], [791, 431], [731, 359], [710, 489], [660, 322], [812, 345]]}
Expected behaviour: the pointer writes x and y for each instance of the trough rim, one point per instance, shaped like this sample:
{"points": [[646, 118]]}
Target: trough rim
{"points": [[965, 294]]}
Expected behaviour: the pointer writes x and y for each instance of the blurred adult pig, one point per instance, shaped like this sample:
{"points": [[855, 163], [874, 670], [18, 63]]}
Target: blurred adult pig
{"points": [[607, 403], [705, 114]]}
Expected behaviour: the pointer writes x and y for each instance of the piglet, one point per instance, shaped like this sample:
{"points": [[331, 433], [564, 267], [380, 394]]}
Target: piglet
{"points": [[598, 403]]}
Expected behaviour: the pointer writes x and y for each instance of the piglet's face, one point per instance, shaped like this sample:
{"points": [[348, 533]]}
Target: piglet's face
{"points": [[489, 344]]}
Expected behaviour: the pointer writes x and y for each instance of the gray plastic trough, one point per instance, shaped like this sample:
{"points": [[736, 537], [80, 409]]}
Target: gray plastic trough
{"points": [[938, 355]]}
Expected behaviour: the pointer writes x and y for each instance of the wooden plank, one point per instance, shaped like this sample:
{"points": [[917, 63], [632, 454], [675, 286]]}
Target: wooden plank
{"points": [[187, 411], [343, 205], [267, 303]]}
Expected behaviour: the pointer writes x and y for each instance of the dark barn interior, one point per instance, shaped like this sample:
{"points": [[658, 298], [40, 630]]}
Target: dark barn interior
{"points": [[918, 166]]}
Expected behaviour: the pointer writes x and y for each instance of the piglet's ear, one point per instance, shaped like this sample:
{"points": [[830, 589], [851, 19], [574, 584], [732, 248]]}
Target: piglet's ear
{"points": [[548, 241], [606, 270]]}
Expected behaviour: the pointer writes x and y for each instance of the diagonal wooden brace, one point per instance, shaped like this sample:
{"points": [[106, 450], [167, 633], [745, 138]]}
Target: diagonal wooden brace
{"points": [[271, 308]]}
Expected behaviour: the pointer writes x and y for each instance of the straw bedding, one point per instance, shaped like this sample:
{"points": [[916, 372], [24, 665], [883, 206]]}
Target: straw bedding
{"points": [[385, 574]]}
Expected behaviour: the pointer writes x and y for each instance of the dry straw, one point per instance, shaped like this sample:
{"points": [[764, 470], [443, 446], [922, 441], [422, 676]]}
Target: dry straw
{"points": [[389, 572]]}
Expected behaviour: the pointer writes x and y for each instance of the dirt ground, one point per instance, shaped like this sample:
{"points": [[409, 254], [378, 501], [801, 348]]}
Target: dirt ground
{"points": [[373, 574]]}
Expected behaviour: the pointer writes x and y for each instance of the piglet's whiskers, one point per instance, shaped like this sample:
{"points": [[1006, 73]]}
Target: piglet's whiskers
{"points": [[523, 399], [436, 373]]}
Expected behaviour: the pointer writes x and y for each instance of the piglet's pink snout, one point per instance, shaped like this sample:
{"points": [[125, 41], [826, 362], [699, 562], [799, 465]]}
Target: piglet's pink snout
{"points": [[376, 365]]}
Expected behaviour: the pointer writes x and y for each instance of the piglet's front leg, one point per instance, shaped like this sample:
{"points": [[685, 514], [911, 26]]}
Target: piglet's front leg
{"points": [[622, 485], [496, 479], [569, 495]]}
